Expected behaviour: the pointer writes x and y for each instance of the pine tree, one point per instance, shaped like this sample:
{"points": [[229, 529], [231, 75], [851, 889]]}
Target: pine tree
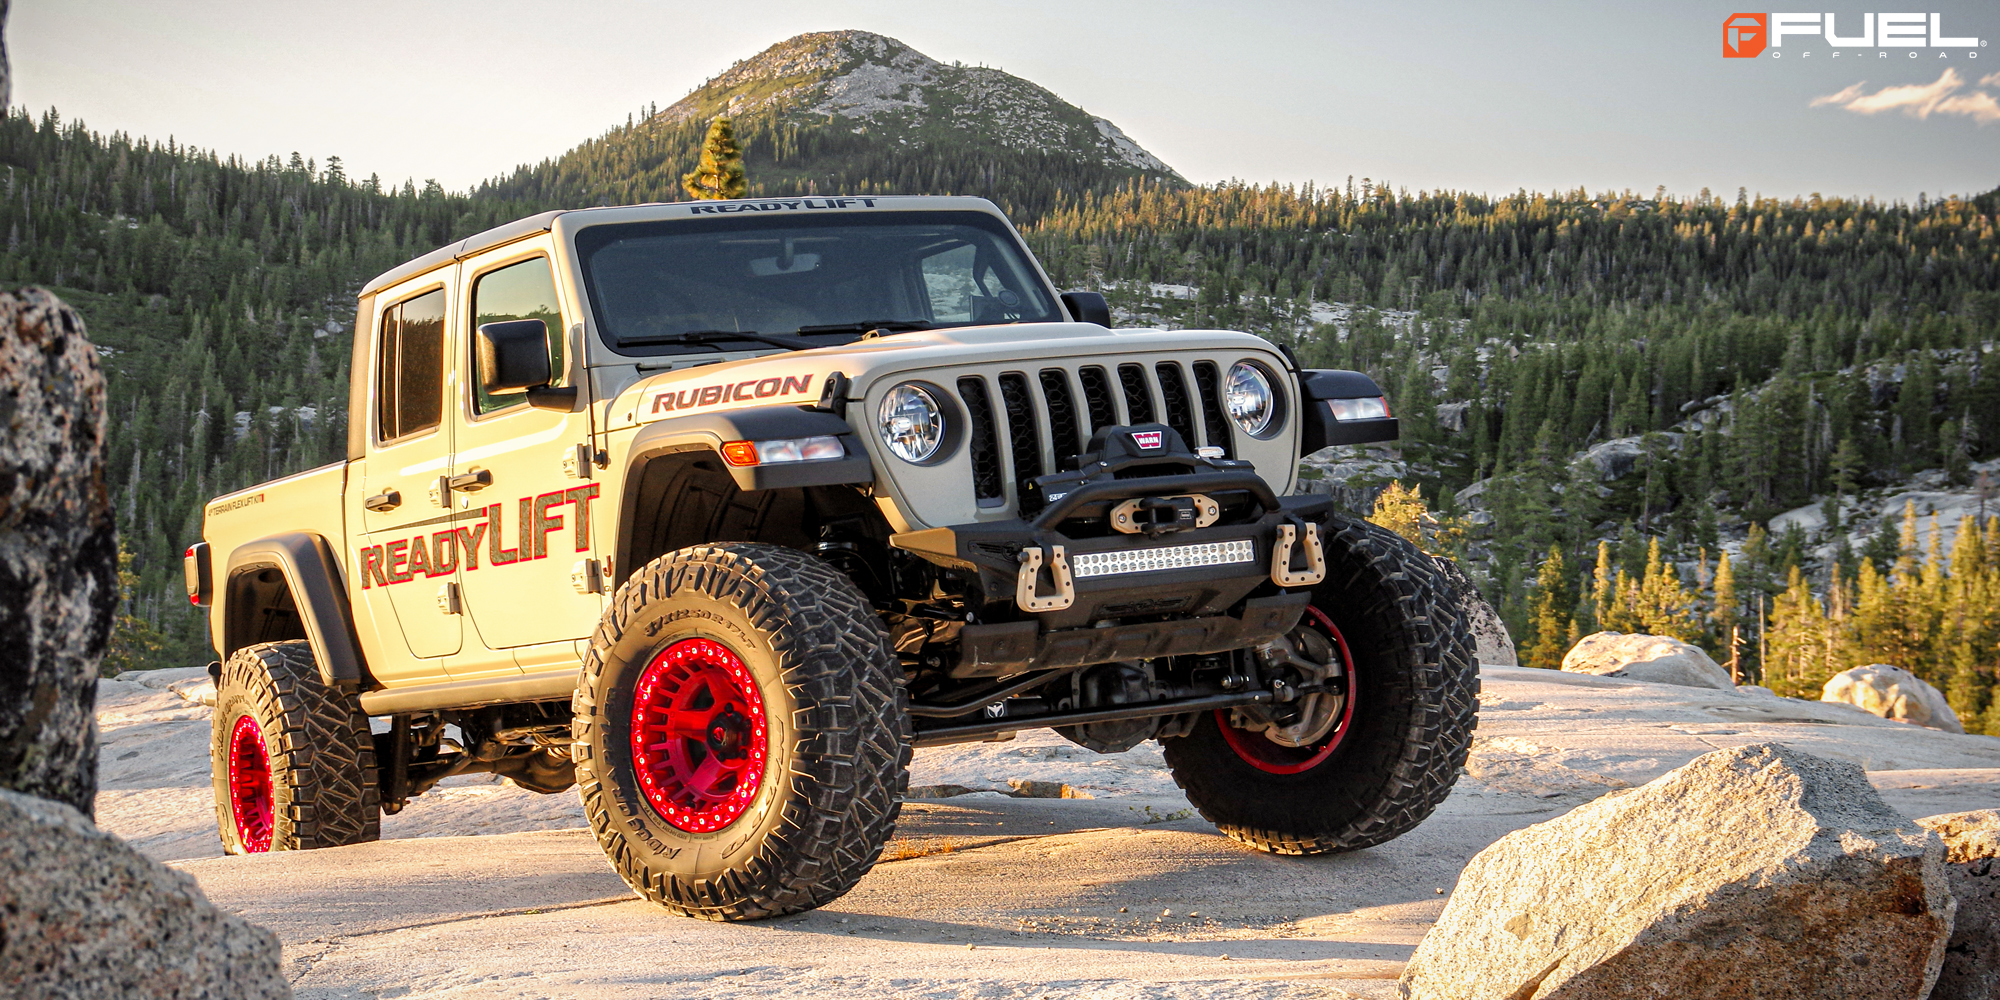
{"points": [[1726, 612], [1603, 592], [720, 172], [1796, 665], [1553, 628], [1966, 691], [1665, 606]]}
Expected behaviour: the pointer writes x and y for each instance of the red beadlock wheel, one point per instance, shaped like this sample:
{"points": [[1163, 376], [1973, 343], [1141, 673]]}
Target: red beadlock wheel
{"points": [[1276, 758], [699, 738], [250, 786]]}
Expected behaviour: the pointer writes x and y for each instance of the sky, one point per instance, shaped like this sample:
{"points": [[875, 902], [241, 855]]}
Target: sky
{"points": [[1488, 97]]}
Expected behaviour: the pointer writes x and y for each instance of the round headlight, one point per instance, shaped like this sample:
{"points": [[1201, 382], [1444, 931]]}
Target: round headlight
{"points": [[1249, 398], [911, 423]]}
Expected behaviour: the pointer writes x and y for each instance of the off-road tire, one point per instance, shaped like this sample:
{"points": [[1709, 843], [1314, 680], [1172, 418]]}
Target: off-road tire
{"points": [[839, 737], [321, 756], [1415, 708]]}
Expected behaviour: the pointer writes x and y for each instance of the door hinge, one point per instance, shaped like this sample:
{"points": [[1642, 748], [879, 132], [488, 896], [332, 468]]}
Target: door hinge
{"points": [[448, 599], [587, 577]]}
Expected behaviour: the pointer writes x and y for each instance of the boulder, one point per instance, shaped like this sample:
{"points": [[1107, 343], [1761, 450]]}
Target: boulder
{"points": [[1972, 864], [1489, 634], [1656, 659], [1892, 693], [1759, 871], [1617, 458], [1026, 788], [58, 550], [87, 917]]}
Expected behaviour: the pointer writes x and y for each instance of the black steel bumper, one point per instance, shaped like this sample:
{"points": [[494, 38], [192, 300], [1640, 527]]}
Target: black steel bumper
{"points": [[1198, 609]]}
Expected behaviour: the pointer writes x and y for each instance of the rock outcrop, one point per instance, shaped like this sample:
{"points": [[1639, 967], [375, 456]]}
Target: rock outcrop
{"points": [[1972, 855], [87, 917], [1489, 634], [58, 551], [1657, 659], [1892, 693], [1754, 872]]}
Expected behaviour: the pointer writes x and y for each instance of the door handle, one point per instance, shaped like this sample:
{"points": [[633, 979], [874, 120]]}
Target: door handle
{"points": [[471, 482], [383, 502]]}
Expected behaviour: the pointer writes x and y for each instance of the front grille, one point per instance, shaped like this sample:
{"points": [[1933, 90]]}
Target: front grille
{"points": [[1024, 439], [1063, 428], [988, 483], [1214, 419], [1037, 423], [1097, 396], [1138, 395], [1174, 399]]}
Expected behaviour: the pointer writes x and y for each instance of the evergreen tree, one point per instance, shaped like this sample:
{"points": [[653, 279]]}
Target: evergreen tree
{"points": [[1726, 614], [1554, 630], [719, 175]]}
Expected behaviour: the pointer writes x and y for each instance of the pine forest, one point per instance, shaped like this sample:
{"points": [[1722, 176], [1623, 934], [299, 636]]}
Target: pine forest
{"points": [[1610, 401]]}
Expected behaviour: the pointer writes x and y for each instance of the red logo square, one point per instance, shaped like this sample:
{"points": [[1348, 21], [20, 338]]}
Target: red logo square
{"points": [[1744, 35]]}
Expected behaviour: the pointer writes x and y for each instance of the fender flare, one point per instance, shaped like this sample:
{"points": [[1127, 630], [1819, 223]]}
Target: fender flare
{"points": [[708, 432], [312, 573]]}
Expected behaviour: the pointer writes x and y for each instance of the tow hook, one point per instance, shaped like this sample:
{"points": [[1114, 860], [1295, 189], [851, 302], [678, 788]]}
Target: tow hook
{"points": [[1282, 572], [1028, 583]]}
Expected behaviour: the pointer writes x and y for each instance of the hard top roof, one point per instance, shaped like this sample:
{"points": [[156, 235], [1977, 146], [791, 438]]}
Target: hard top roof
{"points": [[523, 228]]}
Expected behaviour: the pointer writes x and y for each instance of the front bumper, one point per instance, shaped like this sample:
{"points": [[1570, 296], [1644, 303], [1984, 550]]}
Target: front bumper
{"points": [[1127, 613]]}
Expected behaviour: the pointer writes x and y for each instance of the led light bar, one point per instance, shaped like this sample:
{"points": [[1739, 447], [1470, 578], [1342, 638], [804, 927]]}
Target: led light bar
{"points": [[1091, 564]]}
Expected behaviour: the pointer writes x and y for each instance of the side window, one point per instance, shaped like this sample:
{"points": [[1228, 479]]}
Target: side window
{"points": [[526, 290], [948, 278], [409, 393]]}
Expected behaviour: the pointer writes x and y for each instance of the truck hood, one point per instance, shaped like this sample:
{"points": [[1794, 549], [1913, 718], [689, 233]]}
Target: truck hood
{"points": [[798, 377]]}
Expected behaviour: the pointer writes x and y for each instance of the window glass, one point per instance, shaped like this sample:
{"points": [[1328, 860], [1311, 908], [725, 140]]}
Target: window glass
{"points": [[526, 290], [385, 377], [680, 286], [948, 278], [409, 397]]}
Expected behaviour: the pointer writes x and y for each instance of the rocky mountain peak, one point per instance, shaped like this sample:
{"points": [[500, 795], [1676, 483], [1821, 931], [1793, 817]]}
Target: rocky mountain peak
{"points": [[872, 84]]}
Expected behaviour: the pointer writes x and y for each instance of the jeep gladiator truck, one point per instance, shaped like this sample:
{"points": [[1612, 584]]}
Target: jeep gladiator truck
{"points": [[715, 510]]}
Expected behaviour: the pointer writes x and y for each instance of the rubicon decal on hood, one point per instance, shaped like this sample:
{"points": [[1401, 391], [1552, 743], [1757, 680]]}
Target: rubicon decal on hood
{"points": [[675, 399]]}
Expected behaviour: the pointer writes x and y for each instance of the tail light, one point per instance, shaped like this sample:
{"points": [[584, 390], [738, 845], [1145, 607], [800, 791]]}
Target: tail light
{"points": [[195, 565]]}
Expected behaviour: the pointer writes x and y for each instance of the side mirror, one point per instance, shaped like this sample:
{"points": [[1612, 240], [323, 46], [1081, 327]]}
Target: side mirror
{"points": [[514, 355], [1088, 307]]}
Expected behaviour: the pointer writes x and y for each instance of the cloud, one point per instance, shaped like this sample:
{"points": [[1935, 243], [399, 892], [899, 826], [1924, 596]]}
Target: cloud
{"points": [[1978, 105], [1841, 98], [1921, 100]]}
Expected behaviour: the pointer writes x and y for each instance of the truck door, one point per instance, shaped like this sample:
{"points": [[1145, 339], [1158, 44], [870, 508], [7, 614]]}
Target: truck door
{"points": [[406, 560], [533, 591]]}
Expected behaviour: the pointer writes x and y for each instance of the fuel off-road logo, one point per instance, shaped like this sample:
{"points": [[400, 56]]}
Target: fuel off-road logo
{"points": [[1749, 35]]}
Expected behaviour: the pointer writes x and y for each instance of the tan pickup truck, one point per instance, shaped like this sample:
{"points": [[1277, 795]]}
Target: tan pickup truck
{"points": [[716, 510]]}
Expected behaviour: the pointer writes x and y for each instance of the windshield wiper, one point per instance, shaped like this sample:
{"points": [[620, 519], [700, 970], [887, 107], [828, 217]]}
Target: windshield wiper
{"points": [[867, 326], [711, 337]]}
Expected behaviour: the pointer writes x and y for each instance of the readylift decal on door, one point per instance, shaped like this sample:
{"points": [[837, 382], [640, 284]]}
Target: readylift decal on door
{"points": [[439, 553]]}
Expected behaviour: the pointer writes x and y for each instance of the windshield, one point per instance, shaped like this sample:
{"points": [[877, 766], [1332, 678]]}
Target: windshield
{"points": [[677, 287]]}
